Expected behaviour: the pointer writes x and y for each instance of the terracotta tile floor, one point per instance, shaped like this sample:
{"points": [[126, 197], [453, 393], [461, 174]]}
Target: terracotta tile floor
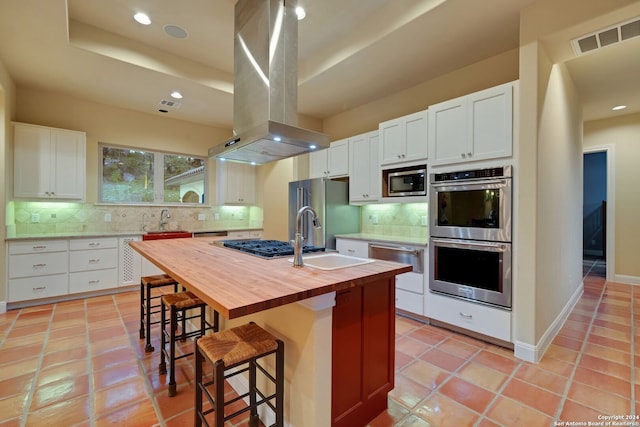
{"points": [[81, 363]]}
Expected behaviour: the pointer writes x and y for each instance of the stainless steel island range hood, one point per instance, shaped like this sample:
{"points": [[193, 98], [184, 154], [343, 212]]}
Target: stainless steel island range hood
{"points": [[265, 98]]}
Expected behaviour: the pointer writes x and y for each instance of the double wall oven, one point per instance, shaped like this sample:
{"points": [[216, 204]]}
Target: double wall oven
{"points": [[470, 229]]}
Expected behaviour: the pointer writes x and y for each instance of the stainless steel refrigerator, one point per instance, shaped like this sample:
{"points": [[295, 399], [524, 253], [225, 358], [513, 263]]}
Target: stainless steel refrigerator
{"points": [[330, 200]]}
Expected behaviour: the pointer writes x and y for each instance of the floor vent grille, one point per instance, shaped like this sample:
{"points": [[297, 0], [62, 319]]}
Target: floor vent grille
{"points": [[606, 36]]}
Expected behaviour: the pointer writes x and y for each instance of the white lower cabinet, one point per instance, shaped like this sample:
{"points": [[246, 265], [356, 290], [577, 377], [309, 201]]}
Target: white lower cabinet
{"points": [[410, 292], [245, 234], [29, 288], [356, 248], [93, 264], [129, 262], [38, 269], [480, 318]]}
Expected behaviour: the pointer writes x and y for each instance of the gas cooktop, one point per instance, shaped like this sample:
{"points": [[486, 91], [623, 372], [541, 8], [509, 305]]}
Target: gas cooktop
{"points": [[267, 248]]}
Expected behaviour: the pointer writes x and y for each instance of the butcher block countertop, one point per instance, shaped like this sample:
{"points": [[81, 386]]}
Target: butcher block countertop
{"points": [[237, 284]]}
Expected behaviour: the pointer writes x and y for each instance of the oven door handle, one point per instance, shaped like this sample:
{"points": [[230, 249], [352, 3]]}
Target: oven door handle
{"points": [[469, 244], [396, 248], [469, 183]]}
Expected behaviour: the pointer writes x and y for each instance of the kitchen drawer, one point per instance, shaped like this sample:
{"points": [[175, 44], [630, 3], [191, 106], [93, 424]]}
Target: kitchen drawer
{"points": [[248, 234], [480, 318], [357, 248], [412, 282], [87, 281], [96, 259], [101, 243], [38, 287], [27, 265], [408, 301], [40, 246]]}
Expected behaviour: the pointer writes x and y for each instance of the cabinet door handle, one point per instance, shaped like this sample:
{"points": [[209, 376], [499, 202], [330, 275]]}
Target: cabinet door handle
{"points": [[468, 154], [93, 261], [38, 289], [93, 282], [39, 265], [466, 316]]}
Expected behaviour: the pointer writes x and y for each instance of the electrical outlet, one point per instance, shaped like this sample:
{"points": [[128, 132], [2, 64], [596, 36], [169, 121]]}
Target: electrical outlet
{"points": [[240, 215], [202, 217], [374, 219], [35, 217], [107, 217], [216, 216], [423, 220]]}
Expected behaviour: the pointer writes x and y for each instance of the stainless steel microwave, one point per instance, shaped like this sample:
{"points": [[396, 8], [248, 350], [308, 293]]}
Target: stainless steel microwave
{"points": [[407, 182]]}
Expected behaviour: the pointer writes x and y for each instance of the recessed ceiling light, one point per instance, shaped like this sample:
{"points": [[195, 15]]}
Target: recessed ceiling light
{"points": [[300, 12], [142, 18], [619, 107], [175, 94]]}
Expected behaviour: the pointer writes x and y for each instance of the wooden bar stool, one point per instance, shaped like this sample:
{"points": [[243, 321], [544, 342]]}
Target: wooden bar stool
{"points": [[178, 304], [243, 345], [147, 306]]}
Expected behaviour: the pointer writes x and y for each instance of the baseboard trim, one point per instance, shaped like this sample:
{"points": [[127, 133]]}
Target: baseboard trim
{"points": [[628, 280], [534, 353], [3, 307]]}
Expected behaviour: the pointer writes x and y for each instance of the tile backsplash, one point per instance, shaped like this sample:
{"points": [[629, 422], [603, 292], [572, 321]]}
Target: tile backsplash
{"points": [[395, 219], [24, 218]]}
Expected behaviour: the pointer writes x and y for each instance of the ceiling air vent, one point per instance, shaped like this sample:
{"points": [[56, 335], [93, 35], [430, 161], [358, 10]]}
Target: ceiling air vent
{"points": [[606, 37], [167, 103]]}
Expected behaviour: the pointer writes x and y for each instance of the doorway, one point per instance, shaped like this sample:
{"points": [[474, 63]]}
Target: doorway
{"points": [[597, 211]]}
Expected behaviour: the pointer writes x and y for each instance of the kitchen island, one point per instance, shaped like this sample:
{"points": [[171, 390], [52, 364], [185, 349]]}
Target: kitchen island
{"points": [[337, 325]]}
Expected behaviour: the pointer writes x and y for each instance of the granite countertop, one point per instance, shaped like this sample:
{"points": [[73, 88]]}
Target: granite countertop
{"points": [[420, 241], [89, 234]]}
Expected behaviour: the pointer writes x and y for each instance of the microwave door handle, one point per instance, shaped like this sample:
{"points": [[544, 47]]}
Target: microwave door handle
{"points": [[469, 183]]}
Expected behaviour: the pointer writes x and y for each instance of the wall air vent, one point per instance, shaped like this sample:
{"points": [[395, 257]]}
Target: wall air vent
{"points": [[606, 36], [167, 103]]}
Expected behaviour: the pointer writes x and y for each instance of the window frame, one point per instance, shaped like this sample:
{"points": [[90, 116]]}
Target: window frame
{"points": [[158, 177]]}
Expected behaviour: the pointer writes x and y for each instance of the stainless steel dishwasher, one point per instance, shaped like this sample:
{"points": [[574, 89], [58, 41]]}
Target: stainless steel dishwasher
{"points": [[405, 254]]}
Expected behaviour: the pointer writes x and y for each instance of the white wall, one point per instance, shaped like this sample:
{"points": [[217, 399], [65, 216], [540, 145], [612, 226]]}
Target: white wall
{"points": [[623, 134], [7, 108]]}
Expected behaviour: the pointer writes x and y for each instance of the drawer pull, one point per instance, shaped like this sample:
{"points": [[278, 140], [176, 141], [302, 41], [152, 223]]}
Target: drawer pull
{"points": [[466, 316], [39, 265], [93, 282], [351, 250], [93, 261], [94, 244], [40, 288], [39, 247]]}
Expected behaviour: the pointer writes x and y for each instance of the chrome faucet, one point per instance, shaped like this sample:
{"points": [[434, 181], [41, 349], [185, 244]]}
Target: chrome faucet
{"points": [[298, 242], [162, 216]]}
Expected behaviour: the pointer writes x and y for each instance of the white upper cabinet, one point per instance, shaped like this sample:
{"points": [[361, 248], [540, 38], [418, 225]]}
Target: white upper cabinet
{"points": [[236, 183], [404, 139], [49, 163], [473, 127], [364, 169], [332, 162]]}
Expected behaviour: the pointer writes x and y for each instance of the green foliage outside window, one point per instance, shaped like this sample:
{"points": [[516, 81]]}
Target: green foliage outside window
{"points": [[132, 176]]}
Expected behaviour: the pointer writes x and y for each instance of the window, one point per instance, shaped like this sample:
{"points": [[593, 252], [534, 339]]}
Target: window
{"points": [[130, 175]]}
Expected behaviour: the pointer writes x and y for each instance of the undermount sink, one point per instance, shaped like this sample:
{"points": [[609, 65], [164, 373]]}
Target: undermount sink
{"points": [[157, 235], [333, 261]]}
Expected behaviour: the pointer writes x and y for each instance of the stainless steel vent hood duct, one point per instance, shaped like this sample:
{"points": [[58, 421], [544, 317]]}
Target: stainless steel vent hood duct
{"points": [[265, 99]]}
